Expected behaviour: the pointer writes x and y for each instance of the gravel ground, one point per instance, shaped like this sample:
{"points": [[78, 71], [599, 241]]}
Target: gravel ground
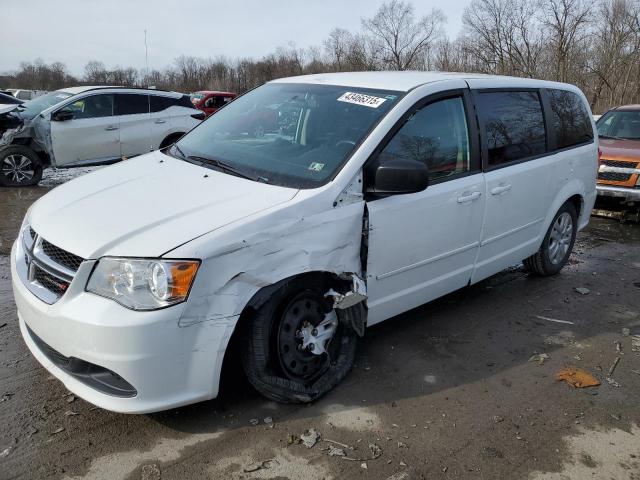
{"points": [[446, 391]]}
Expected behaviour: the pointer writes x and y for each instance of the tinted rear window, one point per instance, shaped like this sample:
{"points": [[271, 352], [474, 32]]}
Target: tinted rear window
{"points": [[131, 103], [570, 119], [514, 125]]}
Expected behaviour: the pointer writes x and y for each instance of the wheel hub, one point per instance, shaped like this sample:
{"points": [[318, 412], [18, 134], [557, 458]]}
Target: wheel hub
{"points": [[560, 238], [316, 338]]}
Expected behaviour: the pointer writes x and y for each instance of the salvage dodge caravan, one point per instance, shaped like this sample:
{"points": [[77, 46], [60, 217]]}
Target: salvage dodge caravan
{"points": [[377, 192]]}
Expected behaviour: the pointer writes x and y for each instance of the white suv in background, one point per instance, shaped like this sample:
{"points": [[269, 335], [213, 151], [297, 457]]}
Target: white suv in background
{"points": [[82, 126], [378, 192]]}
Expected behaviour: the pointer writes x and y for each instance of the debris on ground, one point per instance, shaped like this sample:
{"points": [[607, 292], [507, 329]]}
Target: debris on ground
{"points": [[618, 346], [57, 430], [635, 343], [70, 413], [363, 465], [335, 452], [582, 290], [71, 398], [577, 377], [612, 382], [613, 366], [268, 420], [637, 372], [626, 332], [259, 466], [5, 452], [3, 325], [150, 472], [310, 438], [498, 419], [555, 320], [254, 421], [539, 358]]}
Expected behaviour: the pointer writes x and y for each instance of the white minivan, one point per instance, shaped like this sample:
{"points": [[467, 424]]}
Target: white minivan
{"points": [[81, 126], [377, 192]]}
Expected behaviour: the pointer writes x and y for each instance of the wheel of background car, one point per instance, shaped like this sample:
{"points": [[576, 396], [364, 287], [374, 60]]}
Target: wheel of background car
{"points": [[557, 244], [297, 348], [19, 167], [258, 131]]}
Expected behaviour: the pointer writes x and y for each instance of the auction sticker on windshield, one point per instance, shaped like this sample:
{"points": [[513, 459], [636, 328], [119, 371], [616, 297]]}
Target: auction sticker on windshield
{"points": [[361, 99]]}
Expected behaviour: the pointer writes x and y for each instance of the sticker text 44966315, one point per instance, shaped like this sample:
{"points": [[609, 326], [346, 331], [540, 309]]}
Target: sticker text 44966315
{"points": [[361, 99]]}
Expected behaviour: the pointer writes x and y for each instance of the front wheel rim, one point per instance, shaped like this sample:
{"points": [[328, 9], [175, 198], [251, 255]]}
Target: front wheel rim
{"points": [[18, 168], [304, 337], [560, 238]]}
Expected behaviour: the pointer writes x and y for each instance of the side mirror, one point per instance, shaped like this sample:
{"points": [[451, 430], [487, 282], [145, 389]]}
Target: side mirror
{"points": [[62, 116], [398, 176]]}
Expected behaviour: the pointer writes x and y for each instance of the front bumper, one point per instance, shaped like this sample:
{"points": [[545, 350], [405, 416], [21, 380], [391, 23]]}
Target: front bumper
{"points": [[625, 193], [166, 364]]}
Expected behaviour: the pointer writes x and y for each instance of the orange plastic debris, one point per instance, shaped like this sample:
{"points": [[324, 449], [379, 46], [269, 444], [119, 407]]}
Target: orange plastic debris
{"points": [[577, 377]]}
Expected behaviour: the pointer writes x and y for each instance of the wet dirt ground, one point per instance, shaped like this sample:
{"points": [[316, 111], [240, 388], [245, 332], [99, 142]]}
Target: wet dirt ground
{"points": [[446, 391]]}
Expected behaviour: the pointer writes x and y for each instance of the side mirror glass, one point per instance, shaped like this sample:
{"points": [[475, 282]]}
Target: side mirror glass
{"points": [[397, 176], [62, 116]]}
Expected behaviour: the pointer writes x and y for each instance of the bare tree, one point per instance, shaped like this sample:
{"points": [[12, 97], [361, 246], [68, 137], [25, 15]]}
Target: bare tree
{"points": [[403, 39]]}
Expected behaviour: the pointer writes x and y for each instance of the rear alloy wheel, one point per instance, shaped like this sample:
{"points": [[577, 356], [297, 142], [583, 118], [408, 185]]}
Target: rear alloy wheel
{"points": [[557, 244], [19, 166], [297, 347]]}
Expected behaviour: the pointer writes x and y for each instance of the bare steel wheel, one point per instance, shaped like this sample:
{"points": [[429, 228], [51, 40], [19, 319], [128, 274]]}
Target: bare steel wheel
{"points": [[304, 336], [19, 166], [296, 346], [557, 244]]}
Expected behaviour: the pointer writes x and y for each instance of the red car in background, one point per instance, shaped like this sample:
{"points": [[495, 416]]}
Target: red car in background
{"points": [[210, 101]]}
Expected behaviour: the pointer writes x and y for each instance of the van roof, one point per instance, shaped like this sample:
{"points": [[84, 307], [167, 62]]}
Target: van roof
{"points": [[408, 80]]}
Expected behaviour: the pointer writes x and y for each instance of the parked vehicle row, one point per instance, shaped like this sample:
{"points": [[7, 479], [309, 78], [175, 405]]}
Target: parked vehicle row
{"points": [[25, 95], [89, 126], [386, 191], [619, 169]]}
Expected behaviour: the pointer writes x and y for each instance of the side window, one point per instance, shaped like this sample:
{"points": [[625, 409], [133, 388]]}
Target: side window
{"points": [[160, 103], [131, 103], [570, 119], [95, 106], [514, 125], [436, 135]]}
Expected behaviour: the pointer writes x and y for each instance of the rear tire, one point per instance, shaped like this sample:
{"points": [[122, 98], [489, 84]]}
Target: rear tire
{"points": [[273, 356], [557, 244], [19, 167]]}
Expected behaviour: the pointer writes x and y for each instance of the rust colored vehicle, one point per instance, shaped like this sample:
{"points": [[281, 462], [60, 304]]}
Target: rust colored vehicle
{"points": [[619, 165], [211, 101]]}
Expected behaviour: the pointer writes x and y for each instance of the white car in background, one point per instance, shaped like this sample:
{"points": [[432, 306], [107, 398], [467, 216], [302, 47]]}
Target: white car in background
{"points": [[82, 126], [25, 94]]}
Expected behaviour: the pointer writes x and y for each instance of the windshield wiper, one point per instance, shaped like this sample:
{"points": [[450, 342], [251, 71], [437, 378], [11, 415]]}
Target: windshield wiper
{"points": [[225, 167], [609, 136]]}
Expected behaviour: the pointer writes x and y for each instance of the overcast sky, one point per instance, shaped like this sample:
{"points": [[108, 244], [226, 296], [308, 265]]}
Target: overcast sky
{"points": [[112, 31]]}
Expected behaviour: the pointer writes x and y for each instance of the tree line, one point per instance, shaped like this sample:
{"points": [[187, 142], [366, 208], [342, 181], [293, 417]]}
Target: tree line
{"points": [[594, 44]]}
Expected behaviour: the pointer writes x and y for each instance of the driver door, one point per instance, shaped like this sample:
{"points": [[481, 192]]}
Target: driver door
{"points": [[91, 135], [423, 245]]}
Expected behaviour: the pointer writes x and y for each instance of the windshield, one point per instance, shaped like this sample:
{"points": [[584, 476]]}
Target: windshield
{"points": [[289, 134], [623, 124], [38, 104]]}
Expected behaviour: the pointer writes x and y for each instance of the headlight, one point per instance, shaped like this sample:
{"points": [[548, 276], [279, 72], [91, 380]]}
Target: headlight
{"points": [[142, 284]]}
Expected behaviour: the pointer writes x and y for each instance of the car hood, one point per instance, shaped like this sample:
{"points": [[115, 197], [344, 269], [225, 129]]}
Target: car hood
{"points": [[146, 207], [618, 149]]}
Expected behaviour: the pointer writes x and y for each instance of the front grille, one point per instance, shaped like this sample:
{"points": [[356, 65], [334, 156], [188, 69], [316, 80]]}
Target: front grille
{"points": [[51, 282], [614, 176], [58, 255], [619, 163], [48, 270]]}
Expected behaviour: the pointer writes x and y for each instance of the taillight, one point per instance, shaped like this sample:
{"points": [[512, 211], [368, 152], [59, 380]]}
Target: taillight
{"points": [[199, 116]]}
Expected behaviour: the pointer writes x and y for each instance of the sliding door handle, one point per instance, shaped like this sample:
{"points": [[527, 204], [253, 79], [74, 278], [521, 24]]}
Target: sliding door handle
{"points": [[111, 128], [500, 190], [469, 197]]}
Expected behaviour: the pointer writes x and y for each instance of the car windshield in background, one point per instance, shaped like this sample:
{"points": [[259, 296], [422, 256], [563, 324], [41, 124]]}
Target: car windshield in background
{"points": [[622, 124], [31, 108], [289, 134]]}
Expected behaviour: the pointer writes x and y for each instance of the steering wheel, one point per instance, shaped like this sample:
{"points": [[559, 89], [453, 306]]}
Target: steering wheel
{"points": [[346, 142]]}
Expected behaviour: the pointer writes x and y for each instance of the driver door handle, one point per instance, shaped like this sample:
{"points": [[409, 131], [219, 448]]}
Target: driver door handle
{"points": [[469, 197], [160, 121], [500, 189], [111, 127]]}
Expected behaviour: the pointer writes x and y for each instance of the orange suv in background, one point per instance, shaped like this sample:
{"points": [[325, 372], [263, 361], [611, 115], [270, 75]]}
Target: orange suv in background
{"points": [[619, 166]]}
